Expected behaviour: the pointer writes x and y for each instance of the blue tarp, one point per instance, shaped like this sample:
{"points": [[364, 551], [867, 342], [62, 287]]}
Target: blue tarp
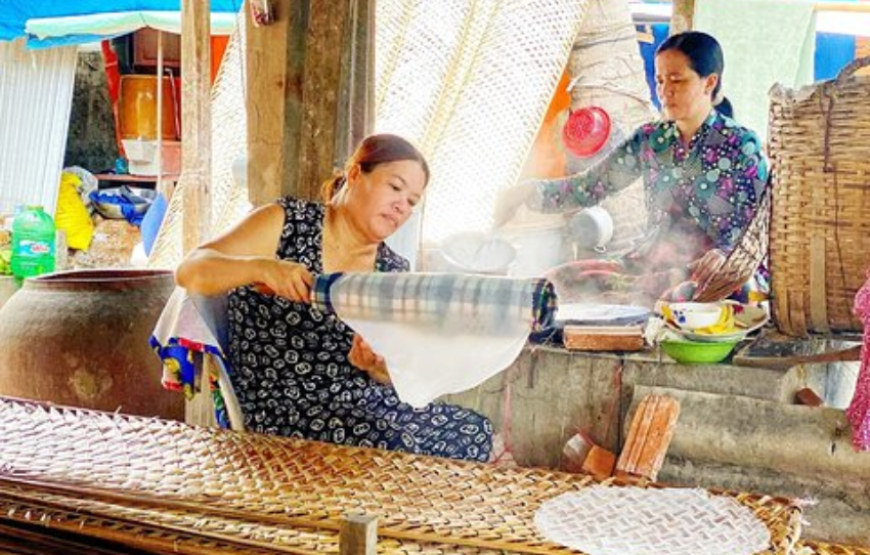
{"points": [[14, 15], [833, 52]]}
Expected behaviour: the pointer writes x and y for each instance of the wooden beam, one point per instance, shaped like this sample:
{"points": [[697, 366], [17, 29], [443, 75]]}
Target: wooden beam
{"points": [[196, 117], [275, 61], [846, 7], [297, 134], [682, 16], [356, 105], [325, 41]]}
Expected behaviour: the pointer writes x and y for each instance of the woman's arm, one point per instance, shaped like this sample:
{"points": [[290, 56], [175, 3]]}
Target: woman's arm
{"points": [[749, 183], [742, 190], [616, 171], [245, 254]]}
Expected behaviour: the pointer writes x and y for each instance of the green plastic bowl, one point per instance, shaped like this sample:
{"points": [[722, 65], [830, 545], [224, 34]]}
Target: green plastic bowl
{"points": [[696, 352]]}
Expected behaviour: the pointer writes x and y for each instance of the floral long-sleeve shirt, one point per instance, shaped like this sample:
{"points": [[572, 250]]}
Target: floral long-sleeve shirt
{"points": [[711, 185]]}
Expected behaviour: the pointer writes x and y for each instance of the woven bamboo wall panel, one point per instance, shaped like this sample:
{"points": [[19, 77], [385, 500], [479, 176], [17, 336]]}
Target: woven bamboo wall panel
{"points": [[820, 223], [235, 484]]}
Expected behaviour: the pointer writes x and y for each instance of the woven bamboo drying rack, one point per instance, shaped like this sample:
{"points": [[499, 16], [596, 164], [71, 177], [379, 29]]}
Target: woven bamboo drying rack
{"points": [[821, 548], [175, 488]]}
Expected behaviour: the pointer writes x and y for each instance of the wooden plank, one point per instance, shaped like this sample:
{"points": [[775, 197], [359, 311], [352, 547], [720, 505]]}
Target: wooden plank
{"points": [[275, 61], [623, 465], [649, 437], [358, 535], [196, 115], [658, 439], [847, 7], [634, 442], [818, 284]]}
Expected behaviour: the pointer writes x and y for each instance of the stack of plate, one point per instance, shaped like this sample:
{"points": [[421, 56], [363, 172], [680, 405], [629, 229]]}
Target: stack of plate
{"points": [[740, 320], [707, 332]]}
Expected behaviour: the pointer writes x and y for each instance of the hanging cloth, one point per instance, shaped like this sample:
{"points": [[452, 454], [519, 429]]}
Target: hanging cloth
{"points": [[438, 333], [858, 412]]}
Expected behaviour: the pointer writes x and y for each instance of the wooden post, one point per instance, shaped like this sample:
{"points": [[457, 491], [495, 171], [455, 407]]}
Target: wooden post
{"points": [[195, 176], [294, 78], [274, 60], [326, 39], [356, 105], [358, 535], [682, 16]]}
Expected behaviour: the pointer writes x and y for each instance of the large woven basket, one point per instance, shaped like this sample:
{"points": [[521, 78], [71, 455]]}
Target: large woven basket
{"points": [[820, 222]]}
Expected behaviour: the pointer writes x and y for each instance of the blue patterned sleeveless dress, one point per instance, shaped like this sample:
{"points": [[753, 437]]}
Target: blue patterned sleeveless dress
{"points": [[291, 372]]}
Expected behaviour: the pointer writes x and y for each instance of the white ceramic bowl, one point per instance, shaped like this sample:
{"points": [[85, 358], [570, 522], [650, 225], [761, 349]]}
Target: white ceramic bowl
{"points": [[694, 316]]}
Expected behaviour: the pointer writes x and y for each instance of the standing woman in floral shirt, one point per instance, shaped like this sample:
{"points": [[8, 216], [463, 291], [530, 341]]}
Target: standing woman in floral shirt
{"points": [[704, 176]]}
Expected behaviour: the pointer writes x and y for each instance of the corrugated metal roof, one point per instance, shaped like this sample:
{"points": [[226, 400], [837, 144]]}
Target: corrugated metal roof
{"points": [[36, 89]]}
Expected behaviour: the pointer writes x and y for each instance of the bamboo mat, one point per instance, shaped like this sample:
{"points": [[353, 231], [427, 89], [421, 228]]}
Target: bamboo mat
{"points": [[172, 484], [821, 548], [185, 532]]}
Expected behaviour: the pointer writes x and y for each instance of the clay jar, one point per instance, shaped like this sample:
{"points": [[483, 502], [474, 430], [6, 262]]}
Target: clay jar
{"points": [[80, 338]]}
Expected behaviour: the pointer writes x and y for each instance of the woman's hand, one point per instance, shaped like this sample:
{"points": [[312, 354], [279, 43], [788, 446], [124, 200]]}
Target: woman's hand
{"points": [[706, 267], [509, 200], [362, 356], [287, 279]]}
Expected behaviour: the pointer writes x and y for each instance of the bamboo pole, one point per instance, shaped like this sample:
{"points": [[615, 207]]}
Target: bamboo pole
{"points": [[196, 115], [158, 187]]}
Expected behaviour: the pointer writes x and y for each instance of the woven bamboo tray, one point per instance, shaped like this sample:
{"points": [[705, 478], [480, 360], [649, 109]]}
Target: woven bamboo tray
{"points": [[820, 548], [249, 481], [820, 222]]}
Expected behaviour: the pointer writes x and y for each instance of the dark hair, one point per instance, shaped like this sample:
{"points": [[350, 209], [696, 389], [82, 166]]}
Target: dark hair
{"points": [[725, 108], [704, 54], [373, 151]]}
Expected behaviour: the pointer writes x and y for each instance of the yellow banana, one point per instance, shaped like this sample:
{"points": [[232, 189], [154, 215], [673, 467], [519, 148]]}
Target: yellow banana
{"points": [[724, 325]]}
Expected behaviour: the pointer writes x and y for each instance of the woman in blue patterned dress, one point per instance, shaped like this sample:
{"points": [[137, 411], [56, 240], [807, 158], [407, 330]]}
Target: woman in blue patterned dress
{"points": [[300, 372], [703, 173]]}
